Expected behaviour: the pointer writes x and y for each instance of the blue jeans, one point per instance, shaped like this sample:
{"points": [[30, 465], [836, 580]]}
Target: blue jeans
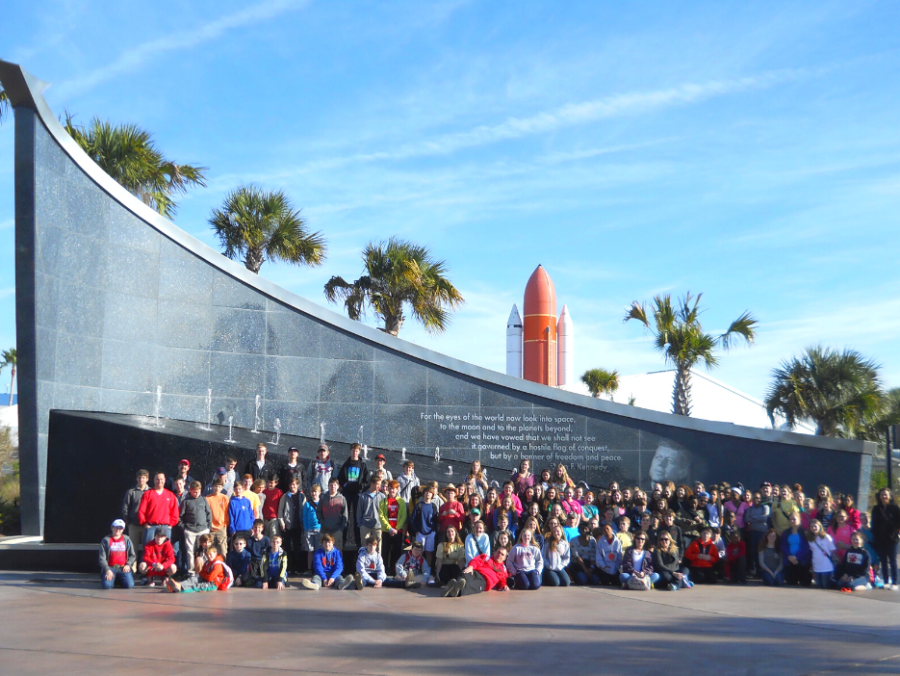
{"points": [[624, 577], [823, 580], [584, 579], [771, 581], [120, 579], [527, 580], [556, 578]]}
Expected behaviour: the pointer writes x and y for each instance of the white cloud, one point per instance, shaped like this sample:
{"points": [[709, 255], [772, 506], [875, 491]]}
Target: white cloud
{"points": [[141, 54]]}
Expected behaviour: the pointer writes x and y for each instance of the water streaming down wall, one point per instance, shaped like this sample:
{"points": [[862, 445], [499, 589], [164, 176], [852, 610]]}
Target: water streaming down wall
{"points": [[114, 301]]}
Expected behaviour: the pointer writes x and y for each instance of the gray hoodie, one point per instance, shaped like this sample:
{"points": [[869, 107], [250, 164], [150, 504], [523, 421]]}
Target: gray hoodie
{"points": [[367, 510], [407, 483], [130, 556]]}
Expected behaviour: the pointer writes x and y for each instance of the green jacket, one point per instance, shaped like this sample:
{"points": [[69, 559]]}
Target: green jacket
{"points": [[402, 514]]}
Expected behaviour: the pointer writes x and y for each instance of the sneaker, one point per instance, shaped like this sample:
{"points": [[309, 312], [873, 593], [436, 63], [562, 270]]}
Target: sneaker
{"points": [[450, 591], [894, 587], [308, 584], [688, 584], [147, 582], [345, 582], [460, 585], [173, 585], [860, 587], [359, 581], [151, 583], [847, 590], [672, 587]]}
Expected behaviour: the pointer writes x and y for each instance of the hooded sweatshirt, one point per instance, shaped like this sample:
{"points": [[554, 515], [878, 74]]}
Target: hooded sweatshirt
{"points": [[367, 515], [131, 505], [121, 549], [328, 565], [609, 555], [558, 559], [407, 483], [370, 566], [276, 566], [332, 513], [493, 572]]}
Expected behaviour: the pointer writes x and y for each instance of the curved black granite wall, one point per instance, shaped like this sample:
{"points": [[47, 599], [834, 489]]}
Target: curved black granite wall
{"points": [[114, 301]]}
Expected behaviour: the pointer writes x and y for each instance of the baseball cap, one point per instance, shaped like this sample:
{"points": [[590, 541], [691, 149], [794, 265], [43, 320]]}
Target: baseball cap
{"points": [[118, 523], [380, 456], [222, 471], [185, 462], [703, 494], [160, 530], [475, 511], [323, 447]]}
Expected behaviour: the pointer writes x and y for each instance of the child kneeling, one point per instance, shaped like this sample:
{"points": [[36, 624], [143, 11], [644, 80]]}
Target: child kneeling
{"points": [[215, 575]]}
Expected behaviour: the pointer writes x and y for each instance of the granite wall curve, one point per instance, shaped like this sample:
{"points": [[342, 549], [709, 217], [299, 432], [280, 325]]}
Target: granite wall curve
{"points": [[113, 302]]}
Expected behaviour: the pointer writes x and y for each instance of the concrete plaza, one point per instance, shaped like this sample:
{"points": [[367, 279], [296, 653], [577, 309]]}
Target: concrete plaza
{"points": [[63, 623]]}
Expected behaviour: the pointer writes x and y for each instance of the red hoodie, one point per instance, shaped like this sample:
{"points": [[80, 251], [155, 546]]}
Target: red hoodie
{"points": [[493, 572], [270, 506], [154, 553]]}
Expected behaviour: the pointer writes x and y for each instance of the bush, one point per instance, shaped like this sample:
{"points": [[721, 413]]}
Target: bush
{"points": [[10, 512]]}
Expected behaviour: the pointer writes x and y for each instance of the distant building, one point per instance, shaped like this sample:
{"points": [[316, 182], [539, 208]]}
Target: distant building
{"points": [[710, 399]]}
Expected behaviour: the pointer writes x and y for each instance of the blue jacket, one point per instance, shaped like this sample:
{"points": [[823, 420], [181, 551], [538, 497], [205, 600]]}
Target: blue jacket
{"points": [[328, 565], [804, 556], [240, 515], [424, 519], [238, 562], [311, 516]]}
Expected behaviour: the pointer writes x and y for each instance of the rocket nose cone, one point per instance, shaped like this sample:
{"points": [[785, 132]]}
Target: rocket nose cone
{"points": [[515, 319], [540, 294]]}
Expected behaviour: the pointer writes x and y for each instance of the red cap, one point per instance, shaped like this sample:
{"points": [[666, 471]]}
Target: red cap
{"points": [[185, 462], [379, 457]]}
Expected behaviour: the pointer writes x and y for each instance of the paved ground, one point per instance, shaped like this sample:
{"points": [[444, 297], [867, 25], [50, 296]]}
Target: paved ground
{"points": [[65, 624]]}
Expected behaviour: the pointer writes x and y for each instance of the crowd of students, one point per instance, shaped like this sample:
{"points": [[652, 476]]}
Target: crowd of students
{"points": [[351, 525]]}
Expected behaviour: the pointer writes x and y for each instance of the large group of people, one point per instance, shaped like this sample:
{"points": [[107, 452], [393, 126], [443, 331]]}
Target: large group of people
{"points": [[341, 525]]}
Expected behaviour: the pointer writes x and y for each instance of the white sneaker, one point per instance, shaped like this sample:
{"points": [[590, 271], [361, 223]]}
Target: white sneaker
{"points": [[893, 587], [861, 587], [308, 584]]}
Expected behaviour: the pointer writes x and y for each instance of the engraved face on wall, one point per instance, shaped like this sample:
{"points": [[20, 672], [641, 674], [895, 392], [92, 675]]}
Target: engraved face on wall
{"points": [[671, 462]]}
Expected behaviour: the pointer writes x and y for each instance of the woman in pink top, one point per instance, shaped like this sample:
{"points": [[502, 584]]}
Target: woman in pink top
{"points": [[739, 504], [840, 531]]}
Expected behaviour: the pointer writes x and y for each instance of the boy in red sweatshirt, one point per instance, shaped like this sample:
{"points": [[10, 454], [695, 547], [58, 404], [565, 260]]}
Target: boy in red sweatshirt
{"points": [[270, 507], [159, 559], [735, 559]]}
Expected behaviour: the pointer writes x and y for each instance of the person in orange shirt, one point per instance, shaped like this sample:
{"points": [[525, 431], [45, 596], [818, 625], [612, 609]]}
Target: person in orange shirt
{"points": [[218, 507], [214, 576]]}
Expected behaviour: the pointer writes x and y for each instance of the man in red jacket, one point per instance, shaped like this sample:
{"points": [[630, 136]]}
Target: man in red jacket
{"points": [[159, 508], [482, 574]]}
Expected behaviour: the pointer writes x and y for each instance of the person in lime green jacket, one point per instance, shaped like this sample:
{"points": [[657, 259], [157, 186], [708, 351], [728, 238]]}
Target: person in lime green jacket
{"points": [[393, 512]]}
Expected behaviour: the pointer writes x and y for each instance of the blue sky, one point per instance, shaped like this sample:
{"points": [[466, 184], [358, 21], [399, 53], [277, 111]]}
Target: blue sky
{"points": [[751, 153]]}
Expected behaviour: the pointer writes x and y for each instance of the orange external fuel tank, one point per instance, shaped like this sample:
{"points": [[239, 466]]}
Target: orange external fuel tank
{"points": [[539, 339]]}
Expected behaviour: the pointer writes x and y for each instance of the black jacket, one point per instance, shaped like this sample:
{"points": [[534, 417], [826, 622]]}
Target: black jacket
{"points": [[286, 473], [267, 471], [130, 506], [885, 524], [354, 477]]}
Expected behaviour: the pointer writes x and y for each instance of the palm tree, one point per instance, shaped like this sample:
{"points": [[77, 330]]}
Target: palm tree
{"points": [[258, 226], [397, 273], [601, 381], [8, 358], [839, 391], [128, 154], [678, 334]]}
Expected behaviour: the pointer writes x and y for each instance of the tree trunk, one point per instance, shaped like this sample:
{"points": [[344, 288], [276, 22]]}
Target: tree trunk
{"points": [[254, 260], [12, 380], [392, 324], [681, 393]]}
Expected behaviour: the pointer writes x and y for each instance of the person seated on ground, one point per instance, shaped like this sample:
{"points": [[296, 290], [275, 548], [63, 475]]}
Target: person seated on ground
{"points": [[583, 553], [525, 563], [667, 563], [637, 562], [770, 562], [702, 557], [570, 530], [608, 559], [482, 574], [472, 517], [668, 524], [823, 554], [258, 545], [275, 564], [201, 553], [369, 566], [159, 559], [556, 554], [853, 571], [477, 543], [736, 559], [238, 560], [117, 558], [214, 576], [450, 557], [412, 569], [328, 567]]}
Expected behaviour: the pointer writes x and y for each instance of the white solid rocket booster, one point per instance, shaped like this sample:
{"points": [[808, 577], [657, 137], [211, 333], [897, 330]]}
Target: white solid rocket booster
{"points": [[514, 343], [565, 349]]}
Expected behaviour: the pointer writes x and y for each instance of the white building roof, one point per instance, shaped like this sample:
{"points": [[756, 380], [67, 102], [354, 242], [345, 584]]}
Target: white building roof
{"points": [[710, 399]]}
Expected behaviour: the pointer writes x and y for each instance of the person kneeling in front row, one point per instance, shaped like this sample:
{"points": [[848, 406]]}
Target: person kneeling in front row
{"points": [[117, 558]]}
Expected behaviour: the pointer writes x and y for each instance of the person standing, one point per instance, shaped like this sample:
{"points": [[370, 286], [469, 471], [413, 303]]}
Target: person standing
{"points": [[293, 469], [354, 478], [159, 509], [261, 468], [885, 535], [131, 506], [183, 472]]}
